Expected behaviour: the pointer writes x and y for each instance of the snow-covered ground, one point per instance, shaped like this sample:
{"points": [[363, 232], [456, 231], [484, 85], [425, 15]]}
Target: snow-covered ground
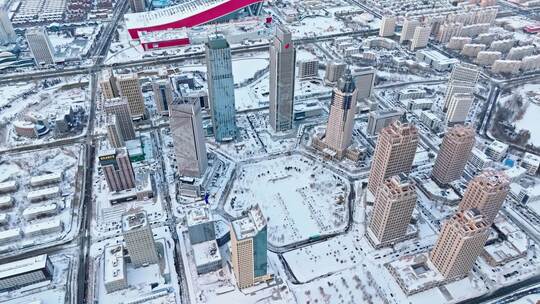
{"points": [[528, 121], [299, 197], [55, 96]]}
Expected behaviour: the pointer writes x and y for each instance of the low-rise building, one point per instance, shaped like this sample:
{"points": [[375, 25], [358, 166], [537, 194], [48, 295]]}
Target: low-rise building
{"points": [[479, 159], [10, 235], [6, 202], [200, 225], [42, 194], [114, 270], [207, 257], [44, 228], [496, 150], [382, 118], [40, 211], [419, 104], [21, 273], [531, 162], [45, 179], [8, 186], [411, 93], [431, 120]]}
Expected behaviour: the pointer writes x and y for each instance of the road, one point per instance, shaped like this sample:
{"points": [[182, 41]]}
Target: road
{"points": [[103, 47]]}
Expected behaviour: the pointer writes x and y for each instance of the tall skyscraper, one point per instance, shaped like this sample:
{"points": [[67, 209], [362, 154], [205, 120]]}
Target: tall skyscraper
{"points": [[114, 134], [486, 192], [130, 88], [458, 108], [40, 46], [341, 118], [421, 37], [461, 240], [364, 79], [282, 70], [394, 153], [454, 154], [7, 33], [249, 242], [139, 238], [163, 95], [392, 212], [221, 88], [188, 137], [463, 79], [108, 85], [407, 31], [388, 26], [334, 71], [119, 107], [117, 169]]}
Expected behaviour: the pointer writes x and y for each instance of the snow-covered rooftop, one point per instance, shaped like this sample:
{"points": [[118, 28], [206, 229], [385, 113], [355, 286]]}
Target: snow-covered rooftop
{"points": [[250, 225], [206, 253], [114, 264], [23, 266], [170, 14], [197, 216], [134, 220], [166, 35]]}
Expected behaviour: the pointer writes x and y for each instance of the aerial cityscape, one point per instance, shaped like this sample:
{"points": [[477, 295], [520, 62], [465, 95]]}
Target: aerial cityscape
{"points": [[278, 151]]}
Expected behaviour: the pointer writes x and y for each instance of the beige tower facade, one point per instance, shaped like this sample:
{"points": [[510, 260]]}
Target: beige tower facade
{"points": [[40, 46], [486, 192], [454, 153], [139, 238], [108, 86], [341, 118], [130, 88], [407, 31], [461, 240], [119, 107], [458, 108], [249, 249], [113, 131], [388, 26], [421, 37], [463, 79], [392, 211], [394, 153], [334, 71]]}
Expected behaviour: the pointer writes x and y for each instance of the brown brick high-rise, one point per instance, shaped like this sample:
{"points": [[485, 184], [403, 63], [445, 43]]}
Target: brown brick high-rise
{"points": [[486, 192], [453, 155], [461, 240], [394, 153], [393, 209]]}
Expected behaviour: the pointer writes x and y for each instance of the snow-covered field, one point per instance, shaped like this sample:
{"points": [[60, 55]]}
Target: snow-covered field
{"points": [[299, 197], [529, 119], [529, 122], [55, 96]]}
